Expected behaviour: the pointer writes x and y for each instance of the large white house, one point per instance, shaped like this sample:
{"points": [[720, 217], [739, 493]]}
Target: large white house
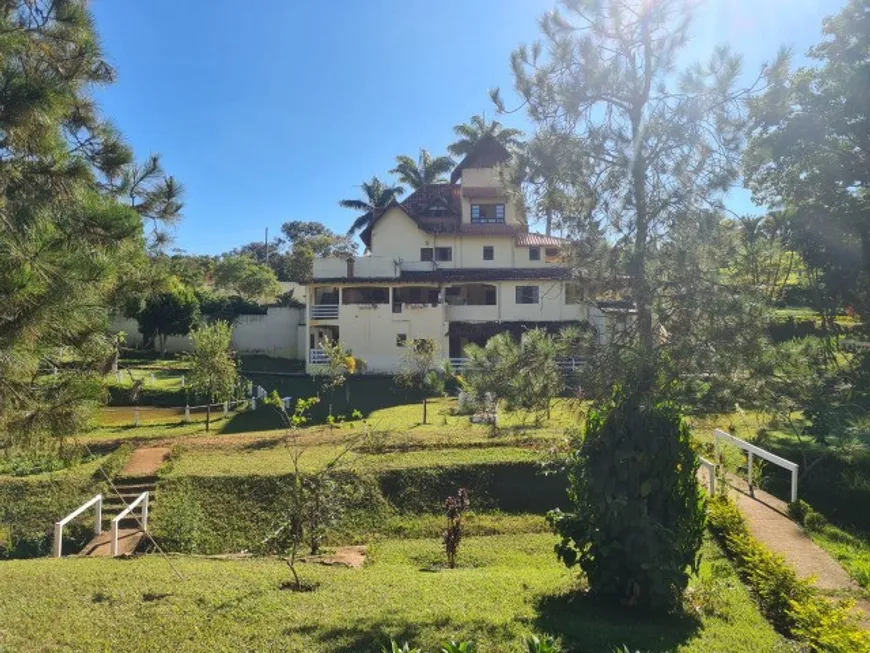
{"points": [[451, 262]]}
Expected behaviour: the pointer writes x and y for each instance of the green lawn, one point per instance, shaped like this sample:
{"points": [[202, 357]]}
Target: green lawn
{"points": [[505, 588], [852, 550]]}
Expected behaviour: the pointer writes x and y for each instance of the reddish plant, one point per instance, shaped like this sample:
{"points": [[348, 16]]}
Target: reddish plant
{"points": [[454, 507]]}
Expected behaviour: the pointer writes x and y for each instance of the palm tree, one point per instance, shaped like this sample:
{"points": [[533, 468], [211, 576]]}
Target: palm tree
{"points": [[425, 170], [470, 133], [376, 195]]}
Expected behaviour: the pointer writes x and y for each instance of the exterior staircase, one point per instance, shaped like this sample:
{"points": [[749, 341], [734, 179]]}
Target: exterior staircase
{"points": [[130, 534]]}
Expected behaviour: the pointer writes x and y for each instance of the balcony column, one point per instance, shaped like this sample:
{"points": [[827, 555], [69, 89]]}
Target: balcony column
{"points": [[340, 295]]}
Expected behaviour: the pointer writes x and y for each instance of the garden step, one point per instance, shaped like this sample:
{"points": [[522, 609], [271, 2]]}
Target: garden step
{"points": [[101, 545]]}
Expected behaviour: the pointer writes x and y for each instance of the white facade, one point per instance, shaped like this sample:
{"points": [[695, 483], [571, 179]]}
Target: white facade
{"points": [[452, 263]]}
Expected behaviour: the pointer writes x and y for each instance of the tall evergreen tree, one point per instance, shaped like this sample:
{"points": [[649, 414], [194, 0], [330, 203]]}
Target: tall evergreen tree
{"points": [[654, 145], [62, 237], [425, 170]]}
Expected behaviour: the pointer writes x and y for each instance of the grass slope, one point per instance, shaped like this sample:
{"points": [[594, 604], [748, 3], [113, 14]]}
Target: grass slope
{"points": [[506, 587]]}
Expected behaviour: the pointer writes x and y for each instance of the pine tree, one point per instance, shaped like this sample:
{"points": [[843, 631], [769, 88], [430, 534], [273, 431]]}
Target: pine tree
{"points": [[62, 236]]}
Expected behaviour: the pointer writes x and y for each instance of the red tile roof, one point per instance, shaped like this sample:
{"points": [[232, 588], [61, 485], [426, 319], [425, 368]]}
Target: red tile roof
{"points": [[538, 240]]}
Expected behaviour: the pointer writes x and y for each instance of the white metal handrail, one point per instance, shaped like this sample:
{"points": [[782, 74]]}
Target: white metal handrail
{"points": [[143, 499], [711, 474], [324, 311], [458, 363], [58, 526], [753, 450]]}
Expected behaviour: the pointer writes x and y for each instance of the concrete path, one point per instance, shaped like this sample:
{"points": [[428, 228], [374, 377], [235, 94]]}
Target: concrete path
{"points": [[768, 521], [101, 545]]}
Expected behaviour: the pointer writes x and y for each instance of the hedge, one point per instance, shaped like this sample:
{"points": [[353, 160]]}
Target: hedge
{"points": [[793, 606], [29, 508], [234, 513]]}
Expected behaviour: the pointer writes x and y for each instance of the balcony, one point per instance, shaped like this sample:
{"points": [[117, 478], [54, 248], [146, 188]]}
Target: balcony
{"points": [[318, 357], [472, 313], [323, 311]]}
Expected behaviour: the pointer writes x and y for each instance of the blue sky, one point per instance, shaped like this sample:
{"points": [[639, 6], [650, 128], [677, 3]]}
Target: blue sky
{"points": [[274, 110]]}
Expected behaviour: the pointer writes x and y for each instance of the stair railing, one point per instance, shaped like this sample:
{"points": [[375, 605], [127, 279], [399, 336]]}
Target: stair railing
{"points": [[143, 499], [58, 526]]}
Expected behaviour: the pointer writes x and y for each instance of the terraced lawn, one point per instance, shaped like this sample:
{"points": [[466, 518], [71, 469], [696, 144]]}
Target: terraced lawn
{"points": [[505, 587]]}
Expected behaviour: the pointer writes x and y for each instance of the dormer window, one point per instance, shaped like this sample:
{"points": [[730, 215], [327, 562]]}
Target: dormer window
{"points": [[487, 213], [437, 209]]}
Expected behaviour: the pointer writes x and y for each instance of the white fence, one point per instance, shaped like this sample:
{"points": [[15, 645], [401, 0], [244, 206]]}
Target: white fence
{"points": [[752, 451], [711, 474], [143, 499], [58, 527]]}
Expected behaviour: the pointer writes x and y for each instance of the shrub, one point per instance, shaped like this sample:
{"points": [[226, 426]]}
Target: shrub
{"points": [[798, 510], [638, 514], [815, 521]]}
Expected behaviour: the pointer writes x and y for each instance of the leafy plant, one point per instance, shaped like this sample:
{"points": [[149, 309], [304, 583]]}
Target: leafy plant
{"points": [[454, 508], [405, 648], [637, 516], [214, 370], [535, 644], [459, 647]]}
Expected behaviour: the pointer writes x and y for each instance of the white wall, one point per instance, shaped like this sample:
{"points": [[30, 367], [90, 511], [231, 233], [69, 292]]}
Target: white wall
{"points": [[276, 333]]}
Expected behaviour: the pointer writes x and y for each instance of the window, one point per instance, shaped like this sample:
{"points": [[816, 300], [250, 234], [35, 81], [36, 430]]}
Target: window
{"points": [[437, 209], [443, 253], [574, 293], [487, 213], [426, 254], [534, 253], [552, 254], [527, 294], [488, 253], [401, 339]]}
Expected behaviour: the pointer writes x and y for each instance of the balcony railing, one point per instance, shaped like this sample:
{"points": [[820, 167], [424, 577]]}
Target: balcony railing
{"points": [[318, 357], [324, 311], [458, 363]]}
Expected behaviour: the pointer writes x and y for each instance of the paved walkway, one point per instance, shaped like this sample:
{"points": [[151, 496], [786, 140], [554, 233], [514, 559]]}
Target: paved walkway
{"points": [[768, 521]]}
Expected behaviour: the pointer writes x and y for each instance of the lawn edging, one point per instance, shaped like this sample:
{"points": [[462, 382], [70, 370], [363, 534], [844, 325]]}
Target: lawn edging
{"points": [[792, 605]]}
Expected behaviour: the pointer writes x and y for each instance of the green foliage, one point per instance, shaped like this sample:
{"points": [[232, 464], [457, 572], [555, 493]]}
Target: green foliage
{"points": [[637, 515], [182, 519], [221, 307], [214, 370], [170, 312], [522, 374], [639, 141], [459, 647], [794, 606], [419, 371], [799, 509], [404, 648], [424, 171], [64, 238], [815, 521], [375, 195], [470, 133], [535, 644], [250, 280], [800, 160]]}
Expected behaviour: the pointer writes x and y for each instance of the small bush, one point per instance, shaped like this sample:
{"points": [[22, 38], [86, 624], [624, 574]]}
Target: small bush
{"points": [[815, 521], [797, 510], [638, 513]]}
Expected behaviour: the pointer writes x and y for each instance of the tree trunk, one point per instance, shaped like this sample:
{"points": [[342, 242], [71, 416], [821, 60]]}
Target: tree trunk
{"points": [[208, 416], [424, 409], [549, 224]]}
